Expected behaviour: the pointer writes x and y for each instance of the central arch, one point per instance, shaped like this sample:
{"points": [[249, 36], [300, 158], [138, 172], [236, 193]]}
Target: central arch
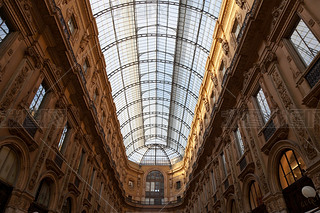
{"points": [[154, 188]]}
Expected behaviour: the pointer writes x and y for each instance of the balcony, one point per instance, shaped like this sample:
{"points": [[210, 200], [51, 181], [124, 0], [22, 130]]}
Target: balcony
{"points": [[156, 204], [274, 130], [312, 77], [246, 165]]}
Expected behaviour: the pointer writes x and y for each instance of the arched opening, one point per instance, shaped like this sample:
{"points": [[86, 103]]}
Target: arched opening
{"points": [[43, 197], [292, 179], [154, 188], [67, 206], [8, 174], [255, 198], [233, 207]]}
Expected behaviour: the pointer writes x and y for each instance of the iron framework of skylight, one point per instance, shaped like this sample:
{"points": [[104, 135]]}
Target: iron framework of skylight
{"points": [[155, 53]]}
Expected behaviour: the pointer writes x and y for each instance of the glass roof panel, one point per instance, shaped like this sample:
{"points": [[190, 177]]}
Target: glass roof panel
{"points": [[156, 53]]}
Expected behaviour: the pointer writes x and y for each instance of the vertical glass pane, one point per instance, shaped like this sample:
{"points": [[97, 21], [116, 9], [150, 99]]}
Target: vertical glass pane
{"points": [[4, 30], [240, 142], [37, 100], [63, 137], [263, 105], [305, 42]]}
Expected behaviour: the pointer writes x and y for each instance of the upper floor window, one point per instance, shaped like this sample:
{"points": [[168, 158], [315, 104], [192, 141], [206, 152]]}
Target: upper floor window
{"points": [[213, 182], [85, 66], [222, 68], [255, 195], [224, 164], [4, 29], [154, 188], [291, 168], [72, 24], [43, 194], [38, 99], [80, 165], [63, 137], [178, 184], [236, 28], [305, 42], [239, 141], [67, 206], [95, 95], [263, 105], [8, 165], [92, 176]]}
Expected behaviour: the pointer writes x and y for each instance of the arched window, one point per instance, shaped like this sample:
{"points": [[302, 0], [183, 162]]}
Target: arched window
{"points": [[255, 196], [8, 174], [233, 207], [8, 165], [154, 188], [66, 208], [43, 196], [291, 167]]}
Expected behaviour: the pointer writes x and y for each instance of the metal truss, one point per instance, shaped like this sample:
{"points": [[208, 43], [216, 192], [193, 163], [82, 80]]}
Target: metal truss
{"points": [[156, 136], [157, 35], [154, 113], [119, 6], [154, 82], [155, 125], [156, 98], [157, 61]]}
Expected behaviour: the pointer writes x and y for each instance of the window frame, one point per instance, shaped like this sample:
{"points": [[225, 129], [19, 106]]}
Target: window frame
{"points": [[63, 137], [3, 21], [291, 170], [74, 25], [35, 100], [292, 28], [239, 142], [261, 113]]}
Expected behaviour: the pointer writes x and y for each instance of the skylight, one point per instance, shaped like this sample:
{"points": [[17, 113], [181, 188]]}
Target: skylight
{"points": [[155, 53]]}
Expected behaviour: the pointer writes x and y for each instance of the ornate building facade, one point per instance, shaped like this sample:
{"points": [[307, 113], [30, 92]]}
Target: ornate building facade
{"points": [[254, 139]]}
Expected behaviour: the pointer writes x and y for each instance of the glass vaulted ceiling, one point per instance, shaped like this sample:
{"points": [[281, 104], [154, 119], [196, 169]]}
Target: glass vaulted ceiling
{"points": [[155, 53]]}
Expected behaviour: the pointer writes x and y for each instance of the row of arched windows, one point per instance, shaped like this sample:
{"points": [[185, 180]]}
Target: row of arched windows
{"points": [[9, 169]]}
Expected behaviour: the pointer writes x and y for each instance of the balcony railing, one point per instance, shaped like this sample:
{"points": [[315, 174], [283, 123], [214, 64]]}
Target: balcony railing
{"points": [[243, 163], [30, 125], [269, 130], [313, 76], [147, 203]]}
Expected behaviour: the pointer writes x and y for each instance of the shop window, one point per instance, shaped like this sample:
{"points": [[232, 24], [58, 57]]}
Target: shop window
{"points": [[38, 99], [178, 184], [63, 137], [66, 208], [4, 29], [239, 141], [263, 105], [255, 196], [305, 42], [291, 168]]}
